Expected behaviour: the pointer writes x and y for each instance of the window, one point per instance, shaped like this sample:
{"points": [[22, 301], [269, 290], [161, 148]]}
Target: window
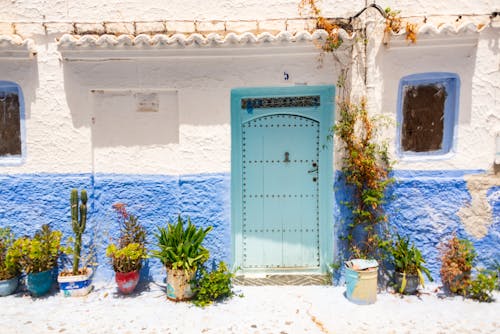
{"points": [[427, 113], [11, 122]]}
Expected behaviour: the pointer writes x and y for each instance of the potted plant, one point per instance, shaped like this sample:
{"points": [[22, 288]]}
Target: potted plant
{"points": [[181, 251], [38, 258], [127, 255], [76, 282], [408, 265], [213, 286], [457, 260], [10, 268]]}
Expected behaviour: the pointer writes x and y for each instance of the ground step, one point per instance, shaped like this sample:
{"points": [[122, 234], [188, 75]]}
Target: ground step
{"points": [[283, 280]]}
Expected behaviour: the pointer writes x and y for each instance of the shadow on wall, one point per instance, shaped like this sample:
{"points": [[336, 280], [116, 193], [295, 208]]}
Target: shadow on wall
{"points": [[24, 73], [125, 114]]}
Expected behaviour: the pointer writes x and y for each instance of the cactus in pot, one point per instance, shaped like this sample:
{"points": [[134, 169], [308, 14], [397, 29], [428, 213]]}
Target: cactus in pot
{"points": [[78, 223], [76, 282]]}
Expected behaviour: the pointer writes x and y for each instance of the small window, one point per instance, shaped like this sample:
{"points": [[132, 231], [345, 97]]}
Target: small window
{"points": [[11, 122], [428, 107]]}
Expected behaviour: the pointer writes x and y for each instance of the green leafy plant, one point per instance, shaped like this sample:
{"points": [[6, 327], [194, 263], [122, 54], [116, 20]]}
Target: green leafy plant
{"points": [[457, 258], [181, 248], [9, 263], [39, 253], [482, 286], [127, 255], [214, 286], [407, 260], [366, 167]]}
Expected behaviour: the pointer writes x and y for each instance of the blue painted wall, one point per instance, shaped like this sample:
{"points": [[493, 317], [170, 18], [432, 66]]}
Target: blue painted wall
{"points": [[28, 201], [423, 205]]}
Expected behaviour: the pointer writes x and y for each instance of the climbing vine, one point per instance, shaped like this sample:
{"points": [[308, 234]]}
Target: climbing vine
{"points": [[366, 168], [365, 163], [333, 41]]}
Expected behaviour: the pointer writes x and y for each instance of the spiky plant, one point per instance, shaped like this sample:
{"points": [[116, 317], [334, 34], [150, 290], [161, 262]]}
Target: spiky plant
{"points": [[78, 223], [181, 248]]}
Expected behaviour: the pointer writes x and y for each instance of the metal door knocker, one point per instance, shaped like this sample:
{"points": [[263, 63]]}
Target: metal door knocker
{"points": [[287, 157]]}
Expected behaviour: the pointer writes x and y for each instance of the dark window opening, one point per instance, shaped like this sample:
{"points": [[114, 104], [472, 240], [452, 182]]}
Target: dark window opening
{"points": [[10, 124], [423, 118]]}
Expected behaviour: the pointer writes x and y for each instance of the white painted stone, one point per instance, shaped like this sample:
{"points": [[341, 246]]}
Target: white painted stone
{"points": [[271, 26], [294, 25], [59, 28], [151, 28], [182, 27], [90, 28], [29, 30], [6, 28], [241, 26], [210, 26], [118, 28]]}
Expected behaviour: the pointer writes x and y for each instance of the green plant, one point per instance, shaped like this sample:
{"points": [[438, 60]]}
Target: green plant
{"points": [[181, 248], [366, 167], [214, 286], [78, 223], [482, 286], [457, 258], [39, 253], [127, 256], [9, 263], [407, 260]]}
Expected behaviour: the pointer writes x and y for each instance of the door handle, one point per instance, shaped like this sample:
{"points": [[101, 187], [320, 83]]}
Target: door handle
{"points": [[314, 169]]}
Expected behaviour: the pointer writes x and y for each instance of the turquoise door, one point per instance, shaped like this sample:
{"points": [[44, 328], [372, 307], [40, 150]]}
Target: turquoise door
{"points": [[280, 156], [280, 149]]}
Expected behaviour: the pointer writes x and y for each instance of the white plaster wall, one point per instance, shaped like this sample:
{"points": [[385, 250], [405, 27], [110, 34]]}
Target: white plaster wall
{"points": [[203, 87], [143, 10], [60, 106], [478, 67], [64, 121]]}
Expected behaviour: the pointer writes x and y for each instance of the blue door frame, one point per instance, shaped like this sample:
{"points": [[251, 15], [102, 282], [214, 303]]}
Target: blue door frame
{"points": [[323, 113]]}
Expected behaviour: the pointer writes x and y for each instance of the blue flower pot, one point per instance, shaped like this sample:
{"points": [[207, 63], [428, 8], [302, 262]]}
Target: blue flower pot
{"points": [[39, 283], [8, 286]]}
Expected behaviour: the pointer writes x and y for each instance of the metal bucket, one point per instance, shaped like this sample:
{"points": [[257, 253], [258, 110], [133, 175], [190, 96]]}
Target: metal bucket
{"points": [[361, 285]]}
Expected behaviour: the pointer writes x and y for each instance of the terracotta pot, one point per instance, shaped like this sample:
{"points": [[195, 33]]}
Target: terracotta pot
{"points": [[179, 284], [127, 281]]}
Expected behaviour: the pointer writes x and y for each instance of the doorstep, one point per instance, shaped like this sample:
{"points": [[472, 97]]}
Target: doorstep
{"points": [[282, 280]]}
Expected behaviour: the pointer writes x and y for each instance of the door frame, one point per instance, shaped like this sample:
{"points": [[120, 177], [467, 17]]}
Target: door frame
{"points": [[324, 114]]}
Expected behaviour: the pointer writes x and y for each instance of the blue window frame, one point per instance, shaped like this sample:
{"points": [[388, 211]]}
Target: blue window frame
{"points": [[427, 114], [12, 136]]}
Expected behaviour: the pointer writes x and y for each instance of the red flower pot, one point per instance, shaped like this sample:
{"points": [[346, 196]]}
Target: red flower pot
{"points": [[127, 281]]}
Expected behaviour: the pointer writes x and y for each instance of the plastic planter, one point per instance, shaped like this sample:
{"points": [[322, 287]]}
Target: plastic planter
{"points": [[8, 286], [76, 286], [39, 283]]}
